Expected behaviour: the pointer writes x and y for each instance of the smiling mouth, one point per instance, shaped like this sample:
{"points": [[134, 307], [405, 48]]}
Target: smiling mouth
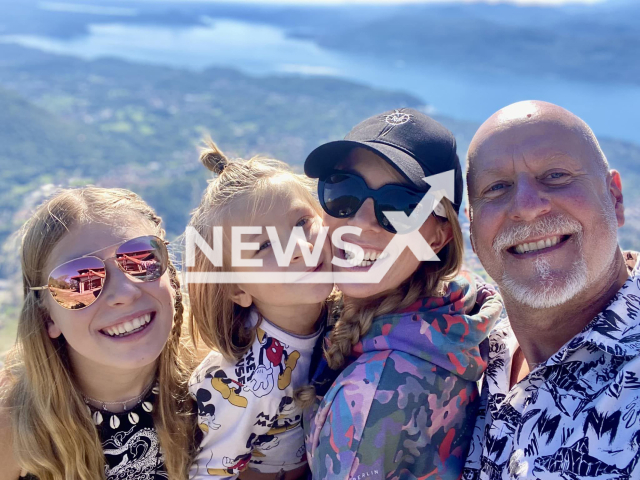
{"points": [[129, 327], [540, 245], [370, 257]]}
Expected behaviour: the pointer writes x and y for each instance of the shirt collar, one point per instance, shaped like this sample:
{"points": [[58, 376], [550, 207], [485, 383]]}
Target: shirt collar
{"points": [[616, 330]]}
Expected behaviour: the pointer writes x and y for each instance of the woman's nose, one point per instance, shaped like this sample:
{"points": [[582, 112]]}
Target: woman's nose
{"points": [[365, 217]]}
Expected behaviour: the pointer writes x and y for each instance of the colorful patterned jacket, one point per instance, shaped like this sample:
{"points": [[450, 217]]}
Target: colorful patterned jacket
{"points": [[405, 405]]}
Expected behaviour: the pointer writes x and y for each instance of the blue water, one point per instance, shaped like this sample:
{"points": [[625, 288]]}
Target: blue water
{"points": [[262, 49]]}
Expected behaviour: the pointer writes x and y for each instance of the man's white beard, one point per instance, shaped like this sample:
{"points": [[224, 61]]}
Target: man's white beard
{"points": [[550, 290]]}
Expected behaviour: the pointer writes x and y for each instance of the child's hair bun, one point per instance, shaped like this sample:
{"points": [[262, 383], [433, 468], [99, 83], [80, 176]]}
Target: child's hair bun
{"points": [[213, 158]]}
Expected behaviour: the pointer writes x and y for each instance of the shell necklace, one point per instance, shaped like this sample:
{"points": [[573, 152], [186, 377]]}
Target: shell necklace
{"points": [[104, 405]]}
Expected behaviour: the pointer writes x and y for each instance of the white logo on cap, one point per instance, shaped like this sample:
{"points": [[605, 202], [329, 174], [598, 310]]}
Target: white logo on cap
{"points": [[397, 118]]}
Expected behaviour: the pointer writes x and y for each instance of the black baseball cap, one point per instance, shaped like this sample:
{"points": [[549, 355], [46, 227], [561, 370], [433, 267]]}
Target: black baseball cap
{"points": [[414, 143]]}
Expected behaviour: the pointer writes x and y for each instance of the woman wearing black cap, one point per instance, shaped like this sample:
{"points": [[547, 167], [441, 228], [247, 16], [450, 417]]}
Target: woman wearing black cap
{"points": [[398, 377]]}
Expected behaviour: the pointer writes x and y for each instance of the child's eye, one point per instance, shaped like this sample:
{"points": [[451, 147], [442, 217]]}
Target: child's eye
{"points": [[303, 221], [264, 245]]}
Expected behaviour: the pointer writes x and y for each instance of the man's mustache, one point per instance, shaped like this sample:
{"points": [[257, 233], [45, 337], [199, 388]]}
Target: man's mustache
{"points": [[547, 226]]}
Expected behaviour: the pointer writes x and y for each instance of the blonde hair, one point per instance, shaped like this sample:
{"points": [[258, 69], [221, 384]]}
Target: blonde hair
{"points": [[53, 433], [214, 317]]}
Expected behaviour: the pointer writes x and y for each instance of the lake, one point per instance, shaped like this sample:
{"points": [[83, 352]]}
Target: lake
{"points": [[264, 50]]}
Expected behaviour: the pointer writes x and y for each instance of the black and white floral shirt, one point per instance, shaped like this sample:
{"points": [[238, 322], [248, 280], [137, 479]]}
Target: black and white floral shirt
{"points": [[575, 417]]}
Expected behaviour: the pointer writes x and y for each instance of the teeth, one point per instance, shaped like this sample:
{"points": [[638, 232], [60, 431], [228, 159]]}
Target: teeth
{"points": [[128, 326], [368, 259], [535, 246]]}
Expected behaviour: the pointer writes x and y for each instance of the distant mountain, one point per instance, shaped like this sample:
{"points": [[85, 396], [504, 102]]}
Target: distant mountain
{"points": [[587, 42], [583, 43], [119, 123]]}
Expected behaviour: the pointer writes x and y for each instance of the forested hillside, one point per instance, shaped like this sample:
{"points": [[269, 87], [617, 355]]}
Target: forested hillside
{"points": [[67, 122]]}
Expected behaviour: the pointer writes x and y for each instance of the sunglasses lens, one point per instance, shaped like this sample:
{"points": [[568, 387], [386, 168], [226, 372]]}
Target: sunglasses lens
{"points": [[145, 258], [77, 284], [397, 200], [342, 195]]}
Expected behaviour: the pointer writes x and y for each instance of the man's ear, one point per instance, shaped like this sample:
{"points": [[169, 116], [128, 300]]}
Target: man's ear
{"points": [[615, 189], [242, 298], [52, 329], [473, 244], [468, 211]]}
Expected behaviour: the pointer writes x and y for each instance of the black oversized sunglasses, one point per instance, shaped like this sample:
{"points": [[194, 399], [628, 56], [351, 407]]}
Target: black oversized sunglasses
{"points": [[342, 194], [78, 283]]}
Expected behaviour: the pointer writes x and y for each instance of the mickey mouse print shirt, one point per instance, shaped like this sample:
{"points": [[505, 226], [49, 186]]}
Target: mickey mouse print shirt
{"points": [[246, 409], [575, 417]]}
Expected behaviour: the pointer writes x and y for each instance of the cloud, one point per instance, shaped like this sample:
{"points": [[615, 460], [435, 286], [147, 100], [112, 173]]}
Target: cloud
{"points": [[91, 9]]}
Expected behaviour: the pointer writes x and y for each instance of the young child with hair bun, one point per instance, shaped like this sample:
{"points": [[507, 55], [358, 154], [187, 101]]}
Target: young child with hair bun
{"points": [[262, 336]]}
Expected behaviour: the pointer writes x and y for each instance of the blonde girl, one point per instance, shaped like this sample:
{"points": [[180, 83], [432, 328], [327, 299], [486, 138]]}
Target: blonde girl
{"points": [[262, 335], [96, 384]]}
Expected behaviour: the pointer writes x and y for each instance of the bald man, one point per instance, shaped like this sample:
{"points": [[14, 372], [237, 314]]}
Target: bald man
{"points": [[562, 389]]}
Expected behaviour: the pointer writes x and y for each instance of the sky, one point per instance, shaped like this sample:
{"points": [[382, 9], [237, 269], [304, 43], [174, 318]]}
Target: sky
{"points": [[388, 2], [391, 2]]}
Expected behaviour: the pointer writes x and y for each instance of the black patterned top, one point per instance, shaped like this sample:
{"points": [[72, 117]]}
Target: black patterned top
{"points": [[130, 442]]}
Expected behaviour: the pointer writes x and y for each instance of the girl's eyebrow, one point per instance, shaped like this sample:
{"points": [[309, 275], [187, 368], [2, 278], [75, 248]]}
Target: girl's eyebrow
{"points": [[294, 212], [105, 248], [92, 254], [256, 235], [300, 210]]}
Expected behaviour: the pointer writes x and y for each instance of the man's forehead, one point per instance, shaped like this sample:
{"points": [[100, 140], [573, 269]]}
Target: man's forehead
{"points": [[541, 142]]}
